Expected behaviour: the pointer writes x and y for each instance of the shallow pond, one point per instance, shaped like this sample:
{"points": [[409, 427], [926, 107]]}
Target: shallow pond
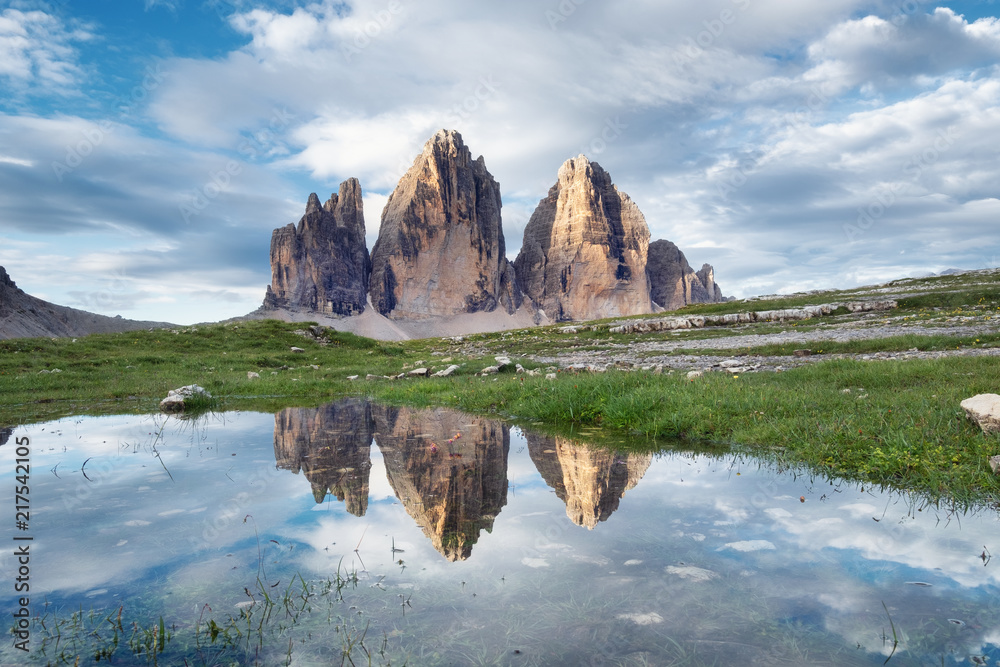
{"points": [[362, 534]]}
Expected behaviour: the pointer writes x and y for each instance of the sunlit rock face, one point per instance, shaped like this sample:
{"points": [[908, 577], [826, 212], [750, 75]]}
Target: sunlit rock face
{"points": [[440, 248], [448, 470], [591, 481], [331, 446], [323, 264], [585, 246], [673, 283]]}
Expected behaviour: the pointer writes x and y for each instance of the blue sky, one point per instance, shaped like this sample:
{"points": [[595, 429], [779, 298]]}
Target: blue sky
{"points": [[149, 147]]}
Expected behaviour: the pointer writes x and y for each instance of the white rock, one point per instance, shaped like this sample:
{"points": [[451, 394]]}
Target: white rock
{"points": [[550, 376], [490, 370], [694, 375], [352, 378], [298, 350], [446, 372], [420, 372], [176, 398], [253, 376], [983, 409]]}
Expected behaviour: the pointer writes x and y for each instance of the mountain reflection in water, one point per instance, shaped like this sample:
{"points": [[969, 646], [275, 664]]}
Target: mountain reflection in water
{"points": [[447, 468]]}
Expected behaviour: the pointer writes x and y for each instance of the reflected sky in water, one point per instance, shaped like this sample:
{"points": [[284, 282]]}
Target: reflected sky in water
{"points": [[511, 548]]}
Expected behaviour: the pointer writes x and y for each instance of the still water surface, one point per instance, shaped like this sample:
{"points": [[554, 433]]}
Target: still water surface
{"points": [[429, 537]]}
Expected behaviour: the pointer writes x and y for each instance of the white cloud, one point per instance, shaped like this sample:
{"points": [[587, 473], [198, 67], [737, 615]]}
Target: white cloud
{"points": [[37, 50]]}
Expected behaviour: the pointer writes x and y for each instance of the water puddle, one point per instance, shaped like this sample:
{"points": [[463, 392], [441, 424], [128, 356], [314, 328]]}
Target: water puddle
{"points": [[429, 537]]}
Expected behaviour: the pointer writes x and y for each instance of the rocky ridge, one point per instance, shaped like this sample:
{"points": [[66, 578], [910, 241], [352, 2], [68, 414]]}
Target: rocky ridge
{"points": [[25, 316], [323, 264]]}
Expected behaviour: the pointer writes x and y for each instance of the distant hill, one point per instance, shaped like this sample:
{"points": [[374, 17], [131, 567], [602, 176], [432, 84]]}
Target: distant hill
{"points": [[25, 316]]}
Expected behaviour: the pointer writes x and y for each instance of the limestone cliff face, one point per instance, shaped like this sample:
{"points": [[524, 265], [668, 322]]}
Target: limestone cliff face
{"points": [[331, 446], [322, 265], [584, 252], [440, 248], [707, 277], [453, 490], [590, 481], [673, 283]]}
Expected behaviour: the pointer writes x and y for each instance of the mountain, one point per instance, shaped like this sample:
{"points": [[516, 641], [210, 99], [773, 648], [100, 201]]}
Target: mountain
{"points": [[673, 283], [323, 264], [585, 247], [440, 249], [439, 266], [25, 316]]}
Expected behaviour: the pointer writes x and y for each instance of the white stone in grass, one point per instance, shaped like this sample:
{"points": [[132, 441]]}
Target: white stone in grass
{"points": [[446, 372], [694, 375], [490, 370], [550, 376], [176, 399], [984, 409], [298, 350], [253, 376]]}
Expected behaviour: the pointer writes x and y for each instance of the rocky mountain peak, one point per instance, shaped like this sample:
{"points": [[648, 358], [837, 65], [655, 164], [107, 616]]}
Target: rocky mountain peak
{"points": [[323, 264], [443, 214], [5, 280], [585, 247]]}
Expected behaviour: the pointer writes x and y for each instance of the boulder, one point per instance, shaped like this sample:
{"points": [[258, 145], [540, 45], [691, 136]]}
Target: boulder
{"points": [[440, 248], [984, 409], [585, 248], [323, 264], [177, 399]]}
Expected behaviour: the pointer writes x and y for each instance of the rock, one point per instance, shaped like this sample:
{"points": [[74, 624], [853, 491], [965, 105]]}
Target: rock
{"points": [[253, 376], [694, 375], [323, 265], [730, 363], [490, 370], [440, 248], [550, 376], [176, 400], [995, 464], [984, 409], [802, 353], [447, 372], [298, 350], [585, 248], [352, 378], [419, 372], [707, 277], [673, 283], [502, 361]]}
